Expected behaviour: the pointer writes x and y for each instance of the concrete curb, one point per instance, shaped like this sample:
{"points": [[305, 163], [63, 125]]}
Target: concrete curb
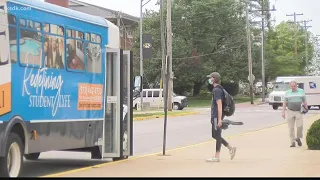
{"points": [[169, 115]]}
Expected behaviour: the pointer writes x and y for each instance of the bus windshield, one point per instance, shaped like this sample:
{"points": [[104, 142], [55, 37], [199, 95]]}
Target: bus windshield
{"points": [[280, 86]]}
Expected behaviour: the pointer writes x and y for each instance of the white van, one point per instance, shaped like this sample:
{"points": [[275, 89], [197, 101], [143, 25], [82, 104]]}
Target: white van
{"points": [[310, 84], [152, 96]]}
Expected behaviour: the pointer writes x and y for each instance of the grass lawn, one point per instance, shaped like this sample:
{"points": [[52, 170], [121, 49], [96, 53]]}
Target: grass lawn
{"points": [[206, 101], [193, 102]]}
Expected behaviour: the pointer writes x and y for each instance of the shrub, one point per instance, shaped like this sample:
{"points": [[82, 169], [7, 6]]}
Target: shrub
{"points": [[313, 136]]}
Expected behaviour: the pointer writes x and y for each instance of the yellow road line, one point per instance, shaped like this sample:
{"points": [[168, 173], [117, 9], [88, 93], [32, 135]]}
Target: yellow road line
{"points": [[169, 115], [172, 150]]}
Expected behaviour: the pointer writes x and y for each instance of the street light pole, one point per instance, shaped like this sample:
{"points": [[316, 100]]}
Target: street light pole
{"points": [[141, 50]]}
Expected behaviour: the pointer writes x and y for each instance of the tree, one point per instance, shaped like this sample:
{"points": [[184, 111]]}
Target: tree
{"points": [[211, 36], [207, 36], [281, 50]]}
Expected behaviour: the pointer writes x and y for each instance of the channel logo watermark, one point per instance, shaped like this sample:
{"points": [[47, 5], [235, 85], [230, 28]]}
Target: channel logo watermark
{"points": [[16, 8]]}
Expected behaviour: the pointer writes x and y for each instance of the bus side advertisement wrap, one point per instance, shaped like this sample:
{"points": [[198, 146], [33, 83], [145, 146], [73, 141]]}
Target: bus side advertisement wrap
{"points": [[90, 96], [5, 98]]}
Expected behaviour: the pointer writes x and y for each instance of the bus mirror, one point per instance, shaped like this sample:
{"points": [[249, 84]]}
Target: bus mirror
{"points": [[138, 83]]}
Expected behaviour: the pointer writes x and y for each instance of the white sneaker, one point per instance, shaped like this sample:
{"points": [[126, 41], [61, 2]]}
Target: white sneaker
{"points": [[233, 152], [213, 160]]}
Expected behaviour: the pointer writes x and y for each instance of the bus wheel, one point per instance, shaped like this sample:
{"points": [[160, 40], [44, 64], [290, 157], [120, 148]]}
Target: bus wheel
{"points": [[32, 156], [10, 165]]}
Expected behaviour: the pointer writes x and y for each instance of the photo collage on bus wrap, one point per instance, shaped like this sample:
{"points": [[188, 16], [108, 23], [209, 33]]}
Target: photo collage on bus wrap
{"points": [[53, 46], [52, 50]]}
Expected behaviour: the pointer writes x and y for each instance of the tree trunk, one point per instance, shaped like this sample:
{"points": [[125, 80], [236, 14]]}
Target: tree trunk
{"points": [[196, 88]]}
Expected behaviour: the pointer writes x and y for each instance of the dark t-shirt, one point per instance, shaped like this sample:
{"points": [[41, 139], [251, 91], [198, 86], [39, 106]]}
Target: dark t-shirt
{"points": [[217, 93]]}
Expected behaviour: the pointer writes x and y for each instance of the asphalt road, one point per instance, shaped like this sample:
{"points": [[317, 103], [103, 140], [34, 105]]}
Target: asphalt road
{"points": [[148, 137]]}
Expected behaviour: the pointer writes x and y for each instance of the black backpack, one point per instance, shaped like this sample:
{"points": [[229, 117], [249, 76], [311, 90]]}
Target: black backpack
{"points": [[228, 106]]}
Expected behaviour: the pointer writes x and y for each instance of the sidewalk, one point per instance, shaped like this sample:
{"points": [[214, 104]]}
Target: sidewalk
{"points": [[264, 153]]}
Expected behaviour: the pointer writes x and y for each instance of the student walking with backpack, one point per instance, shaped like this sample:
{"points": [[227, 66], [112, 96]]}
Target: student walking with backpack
{"points": [[219, 107]]}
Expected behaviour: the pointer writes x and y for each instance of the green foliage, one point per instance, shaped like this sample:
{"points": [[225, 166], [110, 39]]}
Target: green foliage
{"points": [[280, 50], [211, 36], [231, 88], [313, 136]]}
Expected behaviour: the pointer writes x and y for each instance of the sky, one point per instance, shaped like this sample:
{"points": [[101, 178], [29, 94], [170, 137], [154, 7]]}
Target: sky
{"points": [[309, 8]]}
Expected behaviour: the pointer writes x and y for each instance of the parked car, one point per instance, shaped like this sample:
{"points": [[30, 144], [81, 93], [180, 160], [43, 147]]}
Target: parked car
{"points": [[155, 98]]}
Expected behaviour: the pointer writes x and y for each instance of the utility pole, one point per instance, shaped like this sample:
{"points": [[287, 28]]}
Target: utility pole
{"points": [[249, 52], [169, 55], [141, 55], [163, 47], [295, 32], [263, 75], [262, 56], [164, 79], [305, 22]]}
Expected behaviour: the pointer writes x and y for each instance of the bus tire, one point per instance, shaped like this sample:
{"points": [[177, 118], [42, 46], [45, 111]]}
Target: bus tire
{"points": [[11, 163], [32, 156]]}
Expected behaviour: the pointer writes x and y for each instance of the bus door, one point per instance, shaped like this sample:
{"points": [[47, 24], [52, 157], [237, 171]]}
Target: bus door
{"points": [[127, 90], [5, 65], [113, 105]]}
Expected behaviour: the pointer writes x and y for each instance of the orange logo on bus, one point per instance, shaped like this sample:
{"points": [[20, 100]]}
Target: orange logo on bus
{"points": [[90, 96], [5, 98]]}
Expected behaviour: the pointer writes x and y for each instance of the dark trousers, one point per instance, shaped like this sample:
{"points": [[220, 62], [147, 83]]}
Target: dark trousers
{"points": [[216, 134]]}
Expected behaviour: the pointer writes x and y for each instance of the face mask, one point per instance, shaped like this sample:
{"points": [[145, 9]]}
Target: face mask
{"points": [[209, 81]]}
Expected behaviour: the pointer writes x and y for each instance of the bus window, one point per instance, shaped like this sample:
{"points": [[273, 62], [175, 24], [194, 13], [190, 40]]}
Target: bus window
{"points": [[22, 22], [93, 37], [93, 55], [69, 33], [3, 50], [98, 38], [37, 26], [13, 37], [79, 35], [75, 50], [54, 47], [87, 36], [46, 28], [12, 19], [29, 44], [13, 41], [30, 24], [53, 29]]}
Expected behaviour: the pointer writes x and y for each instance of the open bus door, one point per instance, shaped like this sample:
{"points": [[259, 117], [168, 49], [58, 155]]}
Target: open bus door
{"points": [[118, 125], [113, 105], [127, 125], [5, 65]]}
